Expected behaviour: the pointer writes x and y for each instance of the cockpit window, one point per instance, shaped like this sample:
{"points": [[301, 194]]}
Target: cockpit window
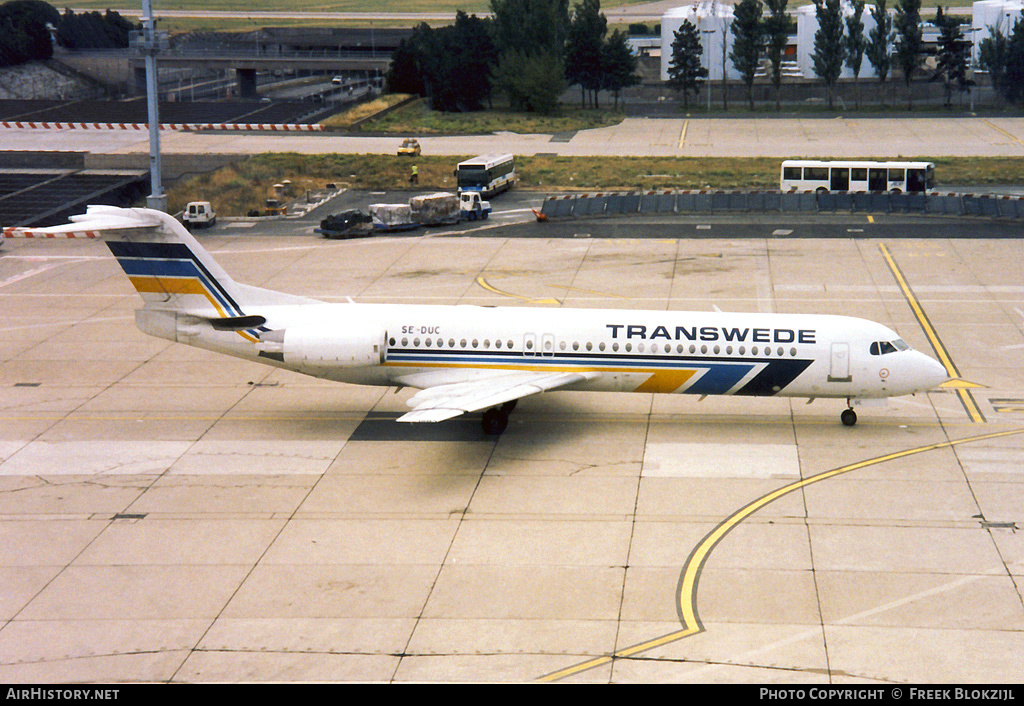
{"points": [[886, 347]]}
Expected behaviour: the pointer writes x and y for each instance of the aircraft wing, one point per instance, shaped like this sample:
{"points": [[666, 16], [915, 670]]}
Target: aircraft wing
{"points": [[449, 398]]}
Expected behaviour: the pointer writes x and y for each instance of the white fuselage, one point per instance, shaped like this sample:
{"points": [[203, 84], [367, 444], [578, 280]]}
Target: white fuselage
{"points": [[702, 353]]}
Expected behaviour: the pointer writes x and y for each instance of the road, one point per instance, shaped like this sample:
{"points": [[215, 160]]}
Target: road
{"points": [[665, 137], [646, 12]]}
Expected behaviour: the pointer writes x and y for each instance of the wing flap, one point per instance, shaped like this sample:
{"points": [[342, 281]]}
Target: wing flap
{"points": [[440, 402]]}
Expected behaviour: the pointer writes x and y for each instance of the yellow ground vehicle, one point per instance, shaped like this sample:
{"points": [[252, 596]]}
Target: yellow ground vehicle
{"points": [[409, 148]]}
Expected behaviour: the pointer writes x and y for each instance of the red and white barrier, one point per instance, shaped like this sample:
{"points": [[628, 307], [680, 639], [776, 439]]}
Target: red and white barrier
{"points": [[184, 127], [30, 233]]}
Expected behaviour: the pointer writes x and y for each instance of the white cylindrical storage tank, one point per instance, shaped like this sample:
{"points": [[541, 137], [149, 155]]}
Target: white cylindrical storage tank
{"points": [[807, 27], [712, 20], [990, 16]]}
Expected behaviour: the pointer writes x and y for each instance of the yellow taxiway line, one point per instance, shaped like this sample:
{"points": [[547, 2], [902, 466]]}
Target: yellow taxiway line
{"points": [[962, 391], [689, 578]]}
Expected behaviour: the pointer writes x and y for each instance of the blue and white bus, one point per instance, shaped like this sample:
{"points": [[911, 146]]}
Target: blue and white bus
{"points": [[489, 174]]}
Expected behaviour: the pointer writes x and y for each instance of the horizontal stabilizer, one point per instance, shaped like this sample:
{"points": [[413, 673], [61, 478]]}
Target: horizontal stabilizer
{"points": [[96, 221]]}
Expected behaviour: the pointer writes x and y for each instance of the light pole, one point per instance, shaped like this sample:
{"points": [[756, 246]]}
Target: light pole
{"points": [[157, 198]]}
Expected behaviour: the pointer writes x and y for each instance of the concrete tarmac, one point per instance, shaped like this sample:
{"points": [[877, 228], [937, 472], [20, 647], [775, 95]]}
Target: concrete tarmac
{"points": [[170, 515], [663, 137]]}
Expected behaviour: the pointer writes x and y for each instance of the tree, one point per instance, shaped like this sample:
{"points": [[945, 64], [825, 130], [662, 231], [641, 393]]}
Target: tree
{"points": [[472, 58], [530, 26], [993, 53], [1013, 80], [880, 43], [829, 49], [686, 72], [532, 32], [91, 30], [855, 43], [748, 43], [583, 49], [23, 33], [532, 82], [909, 41], [951, 54], [450, 66], [777, 28], [618, 65], [405, 74]]}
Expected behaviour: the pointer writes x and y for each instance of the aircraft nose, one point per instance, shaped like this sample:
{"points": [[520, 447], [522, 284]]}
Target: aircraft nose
{"points": [[931, 372]]}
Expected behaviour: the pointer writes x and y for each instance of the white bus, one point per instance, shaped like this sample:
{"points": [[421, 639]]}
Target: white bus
{"points": [[489, 174], [894, 177]]}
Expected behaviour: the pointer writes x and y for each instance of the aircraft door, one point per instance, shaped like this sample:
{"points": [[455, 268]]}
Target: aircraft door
{"points": [[840, 363], [547, 345]]}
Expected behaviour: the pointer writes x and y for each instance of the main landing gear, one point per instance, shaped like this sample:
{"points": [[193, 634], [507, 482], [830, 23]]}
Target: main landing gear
{"points": [[495, 420], [848, 417]]}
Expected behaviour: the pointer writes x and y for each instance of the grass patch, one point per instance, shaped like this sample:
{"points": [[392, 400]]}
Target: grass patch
{"points": [[238, 188], [363, 110], [419, 119]]}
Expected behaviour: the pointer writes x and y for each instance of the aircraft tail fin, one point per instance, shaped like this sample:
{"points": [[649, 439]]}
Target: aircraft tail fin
{"points": [[168, 267]]}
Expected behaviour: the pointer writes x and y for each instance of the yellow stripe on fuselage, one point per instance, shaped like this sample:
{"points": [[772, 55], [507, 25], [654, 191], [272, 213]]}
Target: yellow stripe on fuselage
{"points": [[666, 381]]}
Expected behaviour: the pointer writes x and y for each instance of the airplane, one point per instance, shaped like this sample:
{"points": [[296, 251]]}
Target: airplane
{"points": [[465, 358]]}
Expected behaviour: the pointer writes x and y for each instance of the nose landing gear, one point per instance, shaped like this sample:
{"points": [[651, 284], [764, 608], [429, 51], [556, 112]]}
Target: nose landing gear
{"points": [[848, 417]]}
